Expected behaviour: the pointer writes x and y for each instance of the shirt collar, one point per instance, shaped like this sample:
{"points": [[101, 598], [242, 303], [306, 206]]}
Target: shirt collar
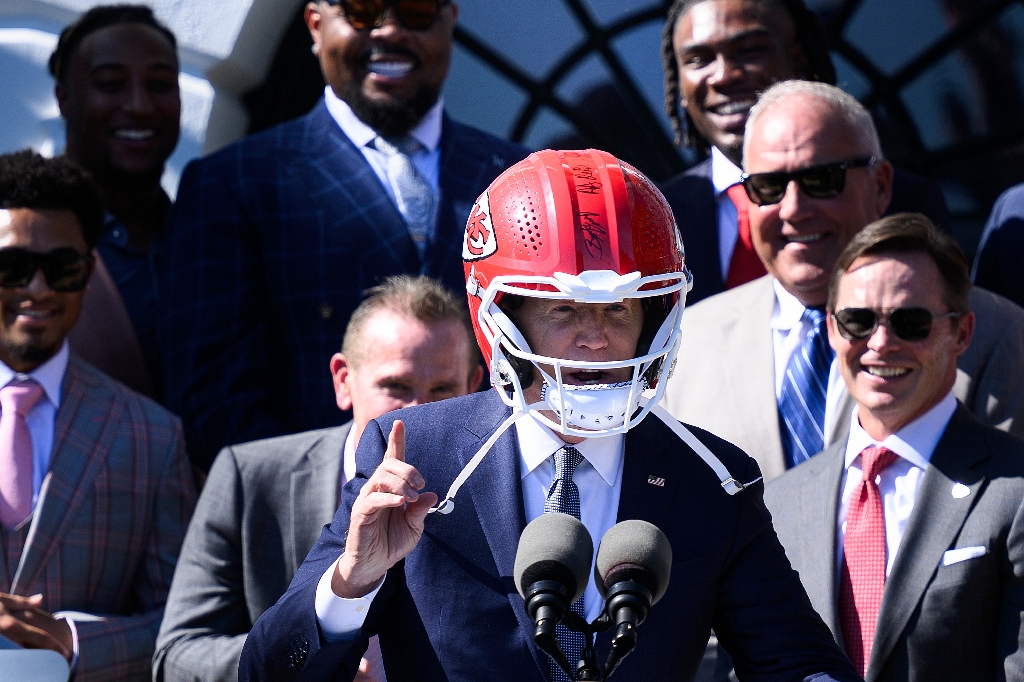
{"points": [[915, 442], [724, 173], [49, 375], [537, 442], [427, 132], [789, 311]]}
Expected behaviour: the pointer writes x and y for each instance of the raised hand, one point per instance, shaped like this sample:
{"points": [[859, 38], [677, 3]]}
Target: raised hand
{"points": [[387, 521]]}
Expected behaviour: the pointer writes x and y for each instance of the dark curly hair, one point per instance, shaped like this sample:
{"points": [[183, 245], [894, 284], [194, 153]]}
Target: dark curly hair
{"points": [[810, 36], [96, 18], [28, 180]]}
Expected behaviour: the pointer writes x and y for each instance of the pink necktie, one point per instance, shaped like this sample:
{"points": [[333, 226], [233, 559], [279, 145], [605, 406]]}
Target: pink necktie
{"points": [[16, 400], [863, 575]]}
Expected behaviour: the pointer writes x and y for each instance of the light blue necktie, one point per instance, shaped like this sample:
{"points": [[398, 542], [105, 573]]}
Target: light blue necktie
{"points": [[564, 496], [413, 194], [802, 402]]}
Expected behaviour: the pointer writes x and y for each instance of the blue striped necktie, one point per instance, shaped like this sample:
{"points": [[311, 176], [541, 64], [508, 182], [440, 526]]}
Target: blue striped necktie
{"points": [[802, 402], [564, 496]]}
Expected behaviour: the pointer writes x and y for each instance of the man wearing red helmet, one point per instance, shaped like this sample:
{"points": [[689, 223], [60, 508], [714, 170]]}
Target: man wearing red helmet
{"points": [[576, 284]]}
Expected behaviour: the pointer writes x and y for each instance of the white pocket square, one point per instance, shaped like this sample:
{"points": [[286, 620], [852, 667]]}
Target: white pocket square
{"points": [[955, 556]]}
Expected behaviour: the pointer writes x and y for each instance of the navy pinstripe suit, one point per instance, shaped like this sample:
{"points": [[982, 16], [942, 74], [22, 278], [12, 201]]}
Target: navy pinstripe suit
{"points": [[273, 241]]}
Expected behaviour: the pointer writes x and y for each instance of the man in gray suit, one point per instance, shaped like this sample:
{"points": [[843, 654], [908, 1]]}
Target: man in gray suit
{"points": [[816, 178], [266, 502], [909, 534]]}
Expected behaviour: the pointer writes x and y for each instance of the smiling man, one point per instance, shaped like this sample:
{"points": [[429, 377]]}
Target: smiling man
{"points": [[754, 366], [719, 56], [908, 534], [579, 324], [95, 488], [116, 73], [276, 237]]}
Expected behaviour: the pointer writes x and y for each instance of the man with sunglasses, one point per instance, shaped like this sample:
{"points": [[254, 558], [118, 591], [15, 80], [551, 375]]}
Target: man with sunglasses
{"points": [[910, 546], [95, 487], [755, 366], [275, 238], [718, 56]]}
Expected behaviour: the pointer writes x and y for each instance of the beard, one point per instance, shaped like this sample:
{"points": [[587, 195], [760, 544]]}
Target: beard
{"points": [[390, 117]]}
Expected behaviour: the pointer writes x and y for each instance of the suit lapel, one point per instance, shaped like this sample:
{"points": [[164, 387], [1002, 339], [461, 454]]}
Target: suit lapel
{"points": [[314, 491], [342, 175], [753, 379], [840, 431], [933, 526], [650, 476], [497, 497], [84, 432], [817, 533]]}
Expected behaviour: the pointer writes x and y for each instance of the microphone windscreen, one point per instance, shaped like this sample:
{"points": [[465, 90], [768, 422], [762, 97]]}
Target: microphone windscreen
{"points": [[634, 550], [556, 547]]}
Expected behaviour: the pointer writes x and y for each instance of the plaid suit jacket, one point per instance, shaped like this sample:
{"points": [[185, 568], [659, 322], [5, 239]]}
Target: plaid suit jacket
{"points": [[109, 522], [273, 241]]}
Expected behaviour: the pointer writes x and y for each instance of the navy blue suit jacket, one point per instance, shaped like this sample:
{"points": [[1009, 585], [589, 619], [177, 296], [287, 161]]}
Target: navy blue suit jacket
{"points": [[274, 239], [692, 197], [997, 267], [450, 610]]}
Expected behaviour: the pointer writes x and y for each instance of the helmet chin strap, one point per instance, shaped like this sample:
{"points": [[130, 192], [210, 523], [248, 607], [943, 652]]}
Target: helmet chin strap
{"points": [[729, 484]]}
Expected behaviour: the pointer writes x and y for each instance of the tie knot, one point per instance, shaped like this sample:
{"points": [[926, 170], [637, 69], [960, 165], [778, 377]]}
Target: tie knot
{"points": [[20, 396], [566, 461], [406, 145], [874, 460], [738, 196], [816, 316]]}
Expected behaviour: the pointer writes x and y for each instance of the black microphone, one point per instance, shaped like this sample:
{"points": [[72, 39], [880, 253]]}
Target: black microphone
{"points": [[633, 565], [551, 572]]}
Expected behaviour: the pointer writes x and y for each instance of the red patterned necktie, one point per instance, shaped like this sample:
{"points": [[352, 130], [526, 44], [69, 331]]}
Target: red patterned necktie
{"points": [[863, 572], [16, 461], [744, 266]]}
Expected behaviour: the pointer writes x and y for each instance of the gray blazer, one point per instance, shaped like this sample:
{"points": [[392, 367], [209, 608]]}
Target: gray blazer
{"points": [[724, 379], [960, 621], [261, 511]]}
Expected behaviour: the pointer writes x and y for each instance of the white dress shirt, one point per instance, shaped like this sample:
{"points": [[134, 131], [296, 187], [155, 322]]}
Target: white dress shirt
{"points": [[898, 483], [789, 330], [41, 418], [725, 174], [598, 477], [427, 132]]}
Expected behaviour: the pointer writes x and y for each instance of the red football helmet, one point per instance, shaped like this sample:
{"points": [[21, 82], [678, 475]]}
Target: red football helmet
{"points": [[581, 226]]}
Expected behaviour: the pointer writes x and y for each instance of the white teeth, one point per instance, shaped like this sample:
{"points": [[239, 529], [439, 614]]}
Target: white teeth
{"points": [[33, 313], [733, 108], [805, 238], [125, 134], [886, 372], [390, 69]]}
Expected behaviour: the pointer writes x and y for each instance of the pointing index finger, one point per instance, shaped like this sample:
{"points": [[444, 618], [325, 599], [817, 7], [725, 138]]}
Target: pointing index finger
{"points": [[396, 442]]}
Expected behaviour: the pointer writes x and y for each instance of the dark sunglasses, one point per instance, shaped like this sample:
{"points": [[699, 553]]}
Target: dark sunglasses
{"points": [[416, 15], [64, 269], [910, 324], [818, 182]]}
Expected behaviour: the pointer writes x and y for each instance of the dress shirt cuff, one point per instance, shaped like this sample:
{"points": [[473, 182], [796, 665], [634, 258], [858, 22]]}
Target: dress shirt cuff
{"points": [[74, 639], [340, 618]]}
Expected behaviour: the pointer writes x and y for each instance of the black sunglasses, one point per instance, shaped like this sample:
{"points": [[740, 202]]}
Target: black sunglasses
{"points": [[910, 324], [416, 15], [818, 182], [64, 269]]}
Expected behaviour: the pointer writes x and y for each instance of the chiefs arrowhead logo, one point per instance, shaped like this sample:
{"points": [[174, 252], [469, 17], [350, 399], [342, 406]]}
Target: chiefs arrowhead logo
{"points": [[480, 242]]}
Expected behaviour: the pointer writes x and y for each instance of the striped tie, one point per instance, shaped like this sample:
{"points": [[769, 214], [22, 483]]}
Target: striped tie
{"points": [[564, 496], [802, 403]]}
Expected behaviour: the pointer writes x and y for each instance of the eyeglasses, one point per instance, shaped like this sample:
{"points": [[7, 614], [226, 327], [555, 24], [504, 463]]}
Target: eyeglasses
{"points": [[910, 324], [416, 15], [818, 182], [64, 269]]}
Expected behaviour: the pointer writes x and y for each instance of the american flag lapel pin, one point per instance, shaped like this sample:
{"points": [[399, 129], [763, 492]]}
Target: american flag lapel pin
{"points": [[656, 480]]}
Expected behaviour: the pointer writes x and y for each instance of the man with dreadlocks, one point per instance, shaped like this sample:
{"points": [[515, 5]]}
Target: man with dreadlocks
{"points": [[719, 56]]}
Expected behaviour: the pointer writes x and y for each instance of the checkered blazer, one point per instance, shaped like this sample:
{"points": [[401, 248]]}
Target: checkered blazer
{"points": [[108, 526], [273, 241]]}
